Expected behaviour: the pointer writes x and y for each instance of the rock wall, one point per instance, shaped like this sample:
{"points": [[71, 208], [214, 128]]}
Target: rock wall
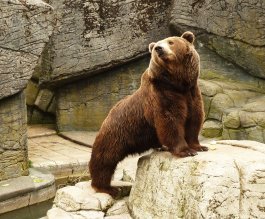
{"points": [[13, 141], [25, 28], [85, 104], [94, 35], [233, 99], [234, 29]]}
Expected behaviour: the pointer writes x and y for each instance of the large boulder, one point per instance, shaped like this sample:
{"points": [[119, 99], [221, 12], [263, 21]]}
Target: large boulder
{"points": [[225, 182], [234, 29], [25, 29], [92, 36]]}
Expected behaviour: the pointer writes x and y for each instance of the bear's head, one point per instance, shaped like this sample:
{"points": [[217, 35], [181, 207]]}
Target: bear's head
{"points": [[175, 56]]}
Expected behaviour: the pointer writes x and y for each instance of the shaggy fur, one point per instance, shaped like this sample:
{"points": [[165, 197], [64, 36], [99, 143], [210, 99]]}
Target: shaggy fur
{"points": [[166, 110]]}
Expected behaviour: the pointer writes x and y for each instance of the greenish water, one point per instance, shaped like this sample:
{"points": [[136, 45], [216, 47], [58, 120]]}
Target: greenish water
{"points": [[30, 212]]}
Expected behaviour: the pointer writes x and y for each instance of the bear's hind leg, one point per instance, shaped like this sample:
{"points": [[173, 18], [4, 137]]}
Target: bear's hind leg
{"points": [[101, 178]]}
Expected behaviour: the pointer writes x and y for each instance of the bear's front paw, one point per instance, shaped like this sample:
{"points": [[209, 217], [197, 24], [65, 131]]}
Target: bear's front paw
{"points": [[199, 148], [185, 153]]}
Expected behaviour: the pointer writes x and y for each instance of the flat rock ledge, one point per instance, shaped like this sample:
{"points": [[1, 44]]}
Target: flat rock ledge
{"points": [[23, 191], [228, 181], [82, 202]]}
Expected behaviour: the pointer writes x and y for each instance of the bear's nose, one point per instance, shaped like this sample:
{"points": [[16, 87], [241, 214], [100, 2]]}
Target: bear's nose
{"points": [[158, 49]]}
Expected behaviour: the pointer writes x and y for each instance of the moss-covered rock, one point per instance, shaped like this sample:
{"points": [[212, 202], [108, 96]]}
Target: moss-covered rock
{"points": [[212, 129]]}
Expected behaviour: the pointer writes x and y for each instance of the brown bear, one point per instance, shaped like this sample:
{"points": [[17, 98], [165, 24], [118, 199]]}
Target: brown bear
{"points": [[166, 110]]}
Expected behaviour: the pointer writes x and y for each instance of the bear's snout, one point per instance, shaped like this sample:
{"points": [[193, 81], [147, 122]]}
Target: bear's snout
{"points": [[159, 50]]}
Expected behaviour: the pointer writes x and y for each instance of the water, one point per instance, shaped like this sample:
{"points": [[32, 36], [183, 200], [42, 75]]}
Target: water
{"points": [[30, 212]]}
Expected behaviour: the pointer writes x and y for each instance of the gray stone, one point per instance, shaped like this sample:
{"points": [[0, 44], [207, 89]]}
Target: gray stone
{"points": [[118, 208], [92, 214], [232, 120], [121, 216], [13, 141], [25, 27], [219, 104], [44, 99], [23, 191], [209, 88], [13, 187], [80, 137], [80, 108], [72, 198], [243, 21], [85, 42], [227, 182], [105, 200], [212, 128], [234, 29], [57, 213], [31, 92]]}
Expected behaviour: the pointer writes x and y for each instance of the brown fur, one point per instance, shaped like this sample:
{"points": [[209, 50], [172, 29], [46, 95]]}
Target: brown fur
{"points": [[166, 110]]}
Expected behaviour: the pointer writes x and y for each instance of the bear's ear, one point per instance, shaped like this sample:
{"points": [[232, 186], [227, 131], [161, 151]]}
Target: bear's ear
{"points": [[151, 46], [189, 36]]}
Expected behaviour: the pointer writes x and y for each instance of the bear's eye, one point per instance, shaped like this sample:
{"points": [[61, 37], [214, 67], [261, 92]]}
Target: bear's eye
{"points": [[170, 42]]}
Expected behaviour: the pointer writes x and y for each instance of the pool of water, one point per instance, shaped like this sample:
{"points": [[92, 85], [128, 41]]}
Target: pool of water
{"points": [[30, 212]]}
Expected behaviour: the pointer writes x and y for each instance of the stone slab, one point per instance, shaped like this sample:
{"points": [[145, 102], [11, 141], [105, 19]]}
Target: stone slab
{"points": [[38, 130], [61, 157], [80, 137], [22, 191], [13, 187]]}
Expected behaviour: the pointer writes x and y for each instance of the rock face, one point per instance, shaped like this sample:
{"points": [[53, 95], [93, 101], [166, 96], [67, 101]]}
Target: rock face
{"points": [[234, 29], [85, 104], [25, 28], [228, 90], [94, 35], [226, 182]]}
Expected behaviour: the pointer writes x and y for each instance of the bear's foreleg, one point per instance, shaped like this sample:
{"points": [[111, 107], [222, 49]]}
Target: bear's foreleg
{"points": [[195, 120], [171, 133]]}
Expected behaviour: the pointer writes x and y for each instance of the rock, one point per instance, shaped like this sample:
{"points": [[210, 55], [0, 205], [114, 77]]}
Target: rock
{"points": [[25, 27], [86, 186], [209, 88], [72, 198], [212, 128], [230, 28], [232, 120], [57, 213], [248, 56], [227, 182], [257, 105], [13, 141], [84, 42], [118, 208], [92, 214], [105, 200], [81, 108], [82, 202], [31, 92], [44, 99], [219, 104], [121, 216], [213, 17]]}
